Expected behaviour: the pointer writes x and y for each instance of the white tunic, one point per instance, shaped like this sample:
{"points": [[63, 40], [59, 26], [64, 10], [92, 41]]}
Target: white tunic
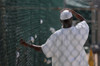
{"points": [[65, 46]]}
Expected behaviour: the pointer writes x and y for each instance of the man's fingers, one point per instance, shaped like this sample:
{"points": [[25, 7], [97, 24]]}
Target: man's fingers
{"points": [[22, 41]]}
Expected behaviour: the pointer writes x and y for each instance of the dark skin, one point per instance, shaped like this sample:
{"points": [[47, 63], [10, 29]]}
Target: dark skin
{"points": [[35, 47], [65, 24]]}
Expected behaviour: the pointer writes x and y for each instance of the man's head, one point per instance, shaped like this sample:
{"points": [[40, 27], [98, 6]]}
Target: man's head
{"points": [[66, 18]]}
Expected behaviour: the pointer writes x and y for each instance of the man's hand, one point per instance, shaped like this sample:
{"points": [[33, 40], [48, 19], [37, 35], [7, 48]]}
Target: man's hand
{"points": [[22, 42], [36, 47]]}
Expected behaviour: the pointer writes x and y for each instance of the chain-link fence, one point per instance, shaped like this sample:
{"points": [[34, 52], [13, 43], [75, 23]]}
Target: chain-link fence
{"points": [[65, 46], [26, 19]]}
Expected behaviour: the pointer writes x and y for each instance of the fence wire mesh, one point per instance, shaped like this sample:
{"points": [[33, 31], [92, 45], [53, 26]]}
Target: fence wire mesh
{"points": [[65, 46], [26, 19]]}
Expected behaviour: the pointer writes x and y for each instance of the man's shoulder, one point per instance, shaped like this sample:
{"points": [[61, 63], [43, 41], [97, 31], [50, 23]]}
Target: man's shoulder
{"points": [[82, 22], [58, 31]]}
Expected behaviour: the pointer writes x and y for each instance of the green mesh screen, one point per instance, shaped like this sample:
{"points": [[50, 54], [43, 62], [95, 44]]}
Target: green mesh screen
{"points": [[26, 19]]}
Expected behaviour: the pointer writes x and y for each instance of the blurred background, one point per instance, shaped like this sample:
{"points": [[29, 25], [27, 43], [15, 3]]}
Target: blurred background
{"points": [[35, 21]]}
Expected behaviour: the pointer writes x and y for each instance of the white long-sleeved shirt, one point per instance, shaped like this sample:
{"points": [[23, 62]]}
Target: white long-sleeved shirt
{"points": [[65, 46]]}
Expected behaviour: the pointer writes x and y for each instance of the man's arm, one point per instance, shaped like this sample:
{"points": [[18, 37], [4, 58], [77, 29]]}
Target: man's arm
{"points": [[77, 15], [35, 47]]}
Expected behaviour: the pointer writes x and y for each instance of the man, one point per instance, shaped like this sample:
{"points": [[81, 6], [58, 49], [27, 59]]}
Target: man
{"points": [[65, 46]]}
